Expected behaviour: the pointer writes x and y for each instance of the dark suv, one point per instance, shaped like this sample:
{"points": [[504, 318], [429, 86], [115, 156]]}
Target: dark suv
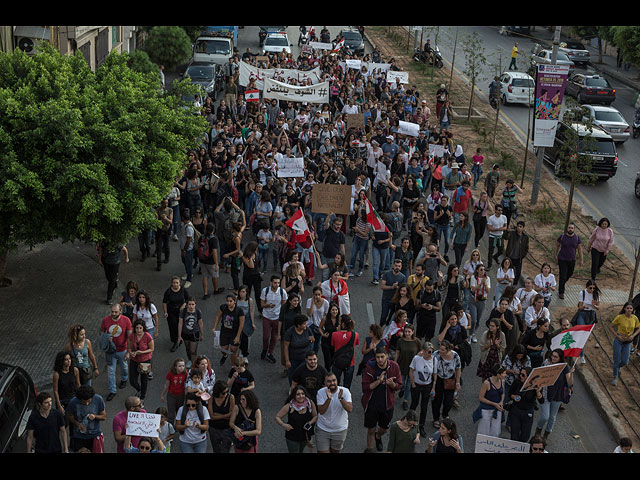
{"points": [[17, 401], [603, 152], [353, 42]]}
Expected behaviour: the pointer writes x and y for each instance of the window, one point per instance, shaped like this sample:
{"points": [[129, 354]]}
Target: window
{"points": [[115, 35]]}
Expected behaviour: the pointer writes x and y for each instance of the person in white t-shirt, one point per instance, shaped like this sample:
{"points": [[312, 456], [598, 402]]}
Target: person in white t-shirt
{"points": [[545, 283], [317, 308], [421, 372], [497, 225], [525, 294], [334, 405], [271, 298]]}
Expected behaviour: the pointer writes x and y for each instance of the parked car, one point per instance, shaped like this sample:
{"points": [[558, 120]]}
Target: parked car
{"points": [[600, 147], [611, 121], [514, 30], [517, 87], [353, 41], [205, 74], [576, 51], [589, 88], [276, 42], [17, 401], [262, 34], [544, 57]]}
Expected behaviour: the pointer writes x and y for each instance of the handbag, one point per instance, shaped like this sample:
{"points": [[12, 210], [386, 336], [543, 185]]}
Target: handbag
{"points": [[449, 383], [566, 394], [343, 356], [245, 441]]}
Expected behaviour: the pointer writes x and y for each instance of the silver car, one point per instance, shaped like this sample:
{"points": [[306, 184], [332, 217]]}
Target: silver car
{"points": [[576, 51], [611, 121], [544, 57]]}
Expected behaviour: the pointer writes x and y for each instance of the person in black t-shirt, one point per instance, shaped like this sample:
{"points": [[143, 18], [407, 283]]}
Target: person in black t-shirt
{"points": [[46, 427], [231, 320], [310, 375]]}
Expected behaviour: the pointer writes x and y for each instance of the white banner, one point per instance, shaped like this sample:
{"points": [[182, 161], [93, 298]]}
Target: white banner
{"points": [[249, 72], [290, 167], [436, 150], [321, 46], [408, 128], [372, 68], [318, 93], [487, 444], [143, 424], [392, 75], [355, 64]]}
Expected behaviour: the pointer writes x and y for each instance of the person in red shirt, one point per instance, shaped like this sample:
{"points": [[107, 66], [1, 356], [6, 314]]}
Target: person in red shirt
{"points": [[462, 200], [175, 386], [342, 338], [131, 404], [119, 328], [140, 353]]}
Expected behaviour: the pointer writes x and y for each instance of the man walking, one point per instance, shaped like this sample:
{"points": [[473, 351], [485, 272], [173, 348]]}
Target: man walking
{"points": [[391, 281], [567, 246], [118, 327], [109, 259], [514, 55], [187, 245], [271, 298], [165, 214], [497, 225], [46, 427], [380, 381], [334, 406], [517, 248]]}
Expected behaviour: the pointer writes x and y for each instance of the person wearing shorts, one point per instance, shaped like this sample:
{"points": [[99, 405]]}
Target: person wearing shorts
{"points": [[209, 265], [334, 405], [231, 320]]}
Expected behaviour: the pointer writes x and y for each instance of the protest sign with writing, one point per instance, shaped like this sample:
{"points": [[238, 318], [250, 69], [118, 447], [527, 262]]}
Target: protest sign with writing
{"points": [[143, 424], [355, 64], [355, 120], [543, 376], [392, 75], [248, 72], [487, 444], [408, 128], [318, 93], [436, 150], [327, 198], [290, 167], [321, 46]]}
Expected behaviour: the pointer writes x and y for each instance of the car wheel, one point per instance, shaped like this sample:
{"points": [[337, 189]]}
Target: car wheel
{"points": [[637, 189]]}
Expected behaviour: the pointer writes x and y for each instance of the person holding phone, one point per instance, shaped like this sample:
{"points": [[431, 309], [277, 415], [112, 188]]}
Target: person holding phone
{"points": [[301, 417]]}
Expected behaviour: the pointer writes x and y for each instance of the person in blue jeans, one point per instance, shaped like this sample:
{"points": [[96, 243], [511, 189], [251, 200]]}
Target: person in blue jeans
{"points": [[442, 215], [554, 395], [391, 281], [362, 231], [380, 251], [625, 327]]}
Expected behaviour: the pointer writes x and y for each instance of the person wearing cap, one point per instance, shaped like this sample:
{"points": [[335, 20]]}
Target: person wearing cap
{"points": [[390, 146], [452, 180], [508, 201]]}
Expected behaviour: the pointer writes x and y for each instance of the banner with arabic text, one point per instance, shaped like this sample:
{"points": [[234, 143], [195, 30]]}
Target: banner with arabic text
{"points": [[318, 93], [249, 72]]}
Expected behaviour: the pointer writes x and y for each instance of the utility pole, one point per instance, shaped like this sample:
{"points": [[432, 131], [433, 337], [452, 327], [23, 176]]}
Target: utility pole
{"points": [[538, 174]]}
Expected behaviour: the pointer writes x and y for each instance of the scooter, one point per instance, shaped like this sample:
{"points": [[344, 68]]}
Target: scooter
{"points": [[434, 58], [636, 126]]}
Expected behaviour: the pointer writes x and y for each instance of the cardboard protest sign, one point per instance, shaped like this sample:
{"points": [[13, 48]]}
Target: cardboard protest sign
{"points": [[290, 167], [355, 120], [392, 75], [355, 64], [543, 376], [327, 198], [487, 444], [143, 424]]}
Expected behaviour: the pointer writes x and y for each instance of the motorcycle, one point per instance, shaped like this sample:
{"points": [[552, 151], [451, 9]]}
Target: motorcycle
{"points": [[434, 58], [636, 126], [303, 39]]}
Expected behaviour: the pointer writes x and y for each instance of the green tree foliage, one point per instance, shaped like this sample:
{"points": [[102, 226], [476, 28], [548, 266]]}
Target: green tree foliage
{"points": [[627, 37], [169, 46], [475, 60], [84, 155]]}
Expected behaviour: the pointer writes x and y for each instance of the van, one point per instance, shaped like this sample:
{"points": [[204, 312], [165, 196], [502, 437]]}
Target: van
{"points": [[603, 154], [17, 401], [215, 45]]}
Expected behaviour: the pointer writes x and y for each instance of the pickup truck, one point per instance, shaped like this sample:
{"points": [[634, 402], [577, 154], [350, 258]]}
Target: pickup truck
{"points": [[215, 45]]}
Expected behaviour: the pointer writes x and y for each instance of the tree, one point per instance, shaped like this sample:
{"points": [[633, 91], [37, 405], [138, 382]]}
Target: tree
{"points": [[85, 155], [593, 31], [627, 38], [475, 60], [168, 46]]}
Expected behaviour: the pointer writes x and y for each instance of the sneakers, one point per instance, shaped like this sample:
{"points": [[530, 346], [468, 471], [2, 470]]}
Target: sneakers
{"points": [[111, 396], [614, 382], [174, 237], [263, 355], [379, 445], [123, 384], [422, 431], [582, 360], [474, 339], [271, 358], [561, 296], [183, 277], [187, 284], [351, 274], [223, 359], [150, 376], [359, 274], [375, 282]]}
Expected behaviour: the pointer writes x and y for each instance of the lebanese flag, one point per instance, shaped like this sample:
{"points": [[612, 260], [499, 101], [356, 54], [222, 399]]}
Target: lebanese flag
{"points": [[252, 95], [338, 46], [374, 219], [299, 225], [572, 340]]}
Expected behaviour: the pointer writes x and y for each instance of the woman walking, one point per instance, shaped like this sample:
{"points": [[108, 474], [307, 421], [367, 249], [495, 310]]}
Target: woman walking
{"points": [[600, 243]]}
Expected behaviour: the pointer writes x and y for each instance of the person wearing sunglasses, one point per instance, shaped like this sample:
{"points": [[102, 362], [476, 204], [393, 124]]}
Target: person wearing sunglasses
{"points": [[146, 444], [192, 424], [522, 407], [537, 444], [421, 373]]}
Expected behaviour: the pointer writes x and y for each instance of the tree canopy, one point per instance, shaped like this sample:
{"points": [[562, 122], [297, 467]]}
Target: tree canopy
{"points": [[85, 155]]}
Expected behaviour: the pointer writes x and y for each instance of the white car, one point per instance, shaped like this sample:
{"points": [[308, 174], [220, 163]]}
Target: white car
{"points": [[276, 42], [517, 87], [611, 121]]}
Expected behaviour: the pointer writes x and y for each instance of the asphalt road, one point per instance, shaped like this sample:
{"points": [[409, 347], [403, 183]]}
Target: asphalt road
{"points": [[579, 429]]}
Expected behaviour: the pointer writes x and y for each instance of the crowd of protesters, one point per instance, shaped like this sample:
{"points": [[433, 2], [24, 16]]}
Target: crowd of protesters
{"points": [[228, 213]]}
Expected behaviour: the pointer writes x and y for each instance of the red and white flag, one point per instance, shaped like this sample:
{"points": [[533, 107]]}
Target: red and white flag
{"points": [[572, 340], [252, 95], [298, 224], [338, 46], [374, 219]]}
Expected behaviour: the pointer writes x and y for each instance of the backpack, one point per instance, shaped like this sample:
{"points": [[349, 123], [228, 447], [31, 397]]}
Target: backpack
{"points": [[343, 356], [395, 222], [204, 251]]}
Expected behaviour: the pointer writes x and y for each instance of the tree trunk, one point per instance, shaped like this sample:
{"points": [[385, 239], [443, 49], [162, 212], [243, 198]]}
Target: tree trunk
{"points": [[4, 282]]}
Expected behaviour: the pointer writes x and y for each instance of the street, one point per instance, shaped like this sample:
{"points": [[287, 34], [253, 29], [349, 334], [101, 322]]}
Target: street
{"points": [[57, 285]]}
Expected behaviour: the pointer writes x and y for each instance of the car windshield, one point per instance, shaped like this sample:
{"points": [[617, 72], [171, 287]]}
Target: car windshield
{"points": [[200, 73], [609, 116], [277, 42], [596, 82], [523, 82], [352, 37], [214, 46], [563, 56], [601, 146]]}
